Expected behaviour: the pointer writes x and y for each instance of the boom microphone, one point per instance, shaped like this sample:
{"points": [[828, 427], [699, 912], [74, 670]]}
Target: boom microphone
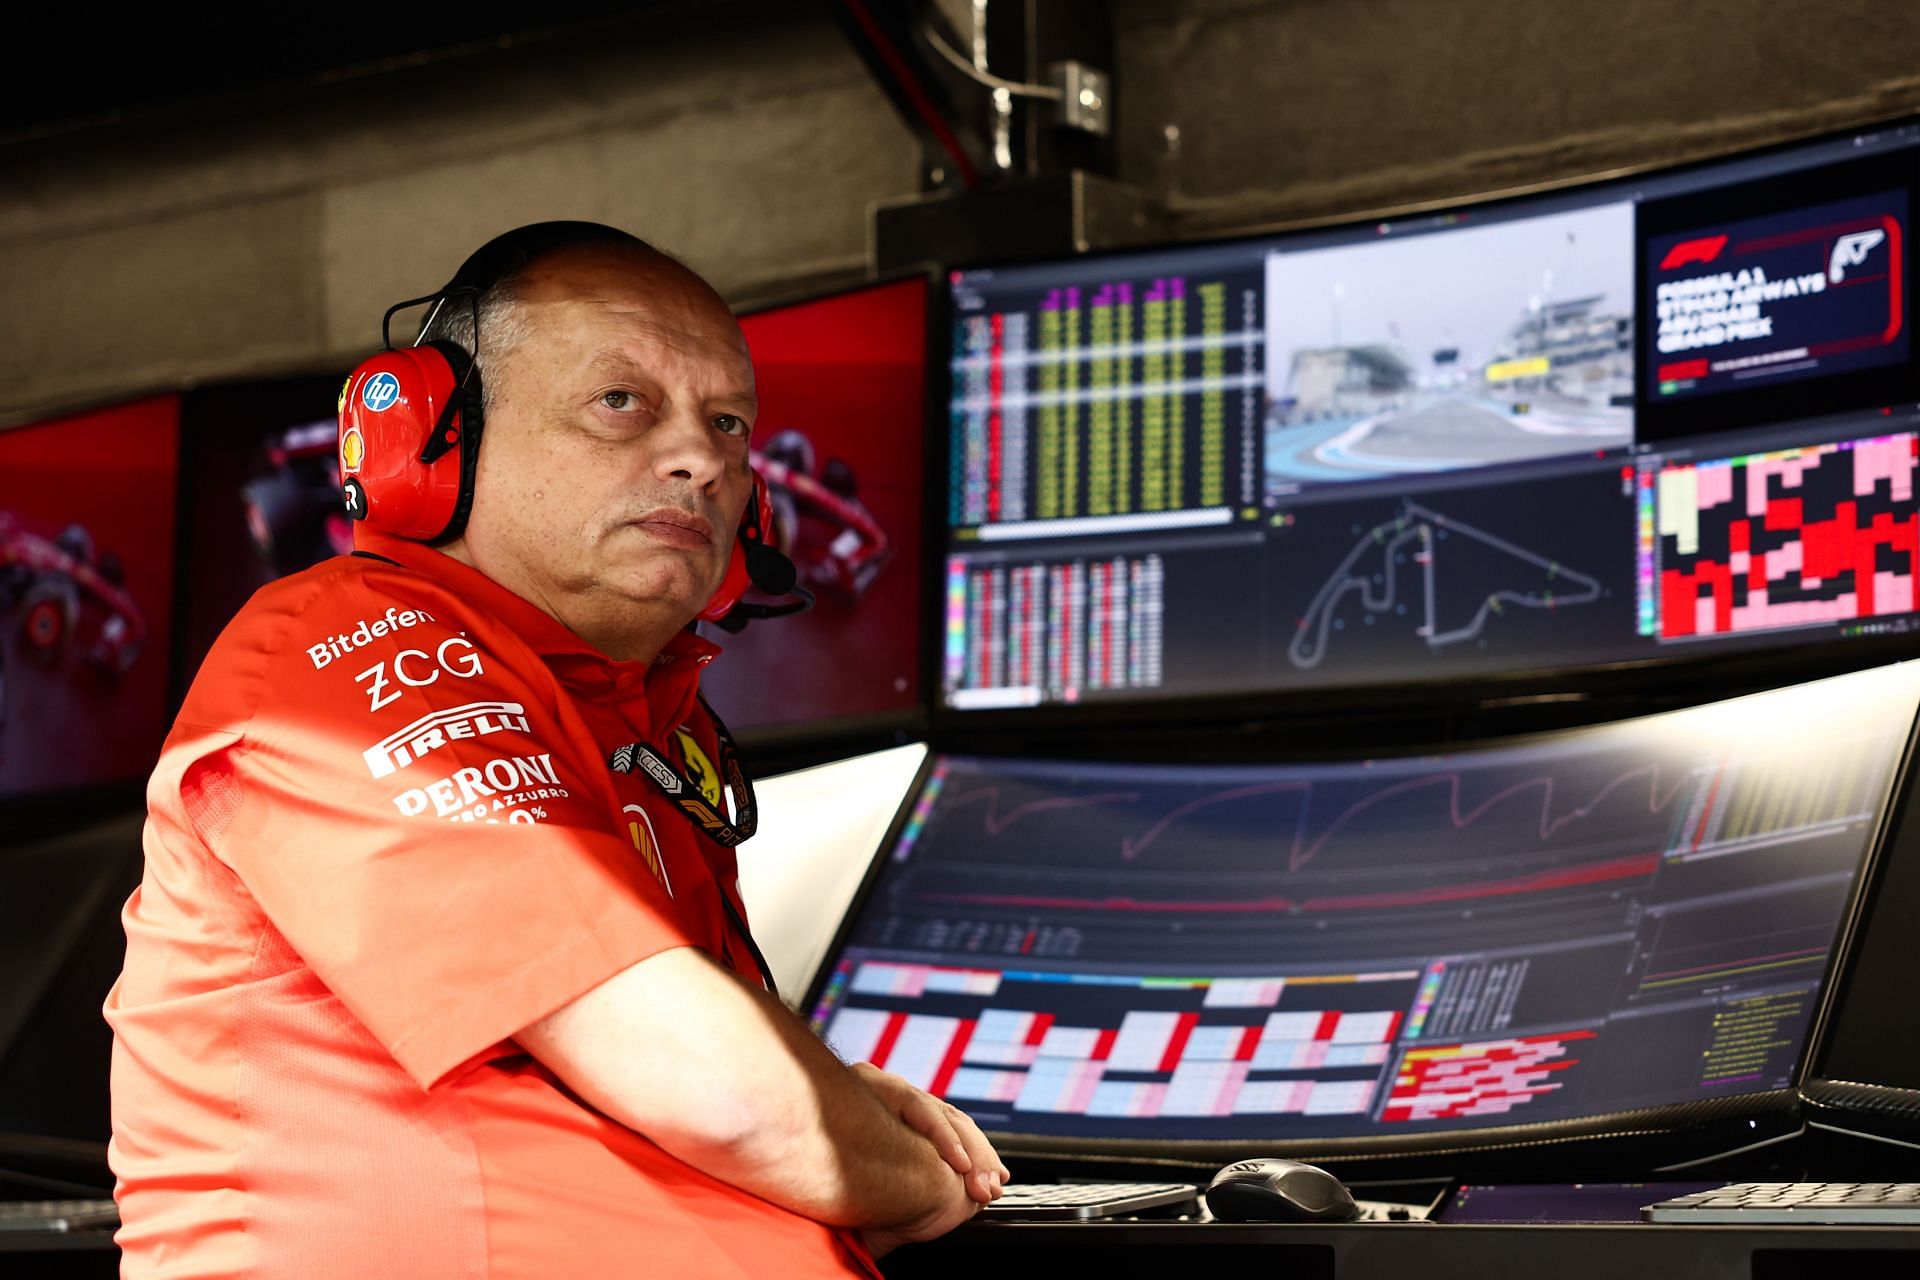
{"points": [[774, 574]]}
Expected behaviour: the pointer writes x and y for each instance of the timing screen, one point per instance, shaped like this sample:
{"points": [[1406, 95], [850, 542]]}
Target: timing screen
{"points": [[1619, 917]]}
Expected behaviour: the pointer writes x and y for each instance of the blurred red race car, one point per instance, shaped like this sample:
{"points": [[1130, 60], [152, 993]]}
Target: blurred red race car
{"points": [[824, 528], [64, 597], [294, 512]]}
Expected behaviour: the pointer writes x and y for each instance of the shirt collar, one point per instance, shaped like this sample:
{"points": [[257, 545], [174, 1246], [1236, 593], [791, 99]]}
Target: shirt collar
{"points": [[669, 684]]}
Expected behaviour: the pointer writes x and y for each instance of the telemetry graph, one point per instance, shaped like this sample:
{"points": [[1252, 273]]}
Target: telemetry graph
{"points": [[1305, 845], [1349, 842], [1375, 571], [1496, 829]]}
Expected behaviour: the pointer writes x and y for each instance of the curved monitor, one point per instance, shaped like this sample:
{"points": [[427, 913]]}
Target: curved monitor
{"points": [[1666, 417], [1558, 932]]}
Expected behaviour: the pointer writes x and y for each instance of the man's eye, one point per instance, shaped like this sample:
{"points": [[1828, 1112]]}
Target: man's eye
{"points": [[731, 425], [620, 400]]}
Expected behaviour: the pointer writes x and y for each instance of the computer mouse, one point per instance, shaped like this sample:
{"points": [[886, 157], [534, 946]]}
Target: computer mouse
{"points": [[1279, 1191]]}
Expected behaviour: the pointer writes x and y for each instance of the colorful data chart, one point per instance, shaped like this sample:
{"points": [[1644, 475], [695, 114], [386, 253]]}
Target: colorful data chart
{"points": [[1214, 1060], [1480, 1077], [1017, 633], [1797, 538]]}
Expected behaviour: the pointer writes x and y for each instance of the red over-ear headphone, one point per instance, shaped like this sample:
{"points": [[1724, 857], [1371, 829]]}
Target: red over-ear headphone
{"points": [[411, 420]]}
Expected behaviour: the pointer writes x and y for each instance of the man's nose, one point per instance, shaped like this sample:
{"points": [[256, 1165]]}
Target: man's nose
{"points": [[690, 448]]}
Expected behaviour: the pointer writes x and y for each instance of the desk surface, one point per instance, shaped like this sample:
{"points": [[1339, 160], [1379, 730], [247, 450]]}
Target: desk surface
{"points": [[1342, 1251], [1429, 1251]]}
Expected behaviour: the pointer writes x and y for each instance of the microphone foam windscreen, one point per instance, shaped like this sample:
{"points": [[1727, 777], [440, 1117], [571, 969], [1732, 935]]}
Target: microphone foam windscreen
{"points": [[772, 572]]}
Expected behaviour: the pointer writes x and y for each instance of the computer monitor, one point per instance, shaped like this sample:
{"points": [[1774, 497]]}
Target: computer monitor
{"points": [[261, 497], [842, 385], [61, 945], [1648, 422], [1556, 932], [86, 586]]}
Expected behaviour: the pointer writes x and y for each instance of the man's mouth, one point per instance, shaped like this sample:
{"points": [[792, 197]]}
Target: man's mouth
{"points": [[675, 527]]}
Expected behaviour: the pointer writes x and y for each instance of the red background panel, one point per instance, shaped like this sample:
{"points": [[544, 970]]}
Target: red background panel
{"points": [[113, 471], [850, 372]]}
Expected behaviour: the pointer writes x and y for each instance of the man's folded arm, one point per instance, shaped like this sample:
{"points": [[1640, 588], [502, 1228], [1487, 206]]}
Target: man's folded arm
{"points": [[723, 1077]]}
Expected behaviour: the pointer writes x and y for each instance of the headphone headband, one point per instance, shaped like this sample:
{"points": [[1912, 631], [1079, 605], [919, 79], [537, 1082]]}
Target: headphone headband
{"points": [[511, 251]]}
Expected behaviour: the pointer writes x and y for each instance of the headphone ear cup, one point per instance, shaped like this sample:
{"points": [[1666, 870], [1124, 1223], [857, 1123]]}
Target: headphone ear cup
{"points": [[757, 519], [390, 409], [733, 586]]}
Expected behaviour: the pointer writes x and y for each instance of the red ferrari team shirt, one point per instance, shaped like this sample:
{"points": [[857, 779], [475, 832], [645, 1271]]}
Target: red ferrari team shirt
{"points": [[383, 837]]}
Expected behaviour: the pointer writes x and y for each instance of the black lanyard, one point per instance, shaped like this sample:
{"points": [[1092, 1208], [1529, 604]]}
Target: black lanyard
{"points": [[685, 793]]}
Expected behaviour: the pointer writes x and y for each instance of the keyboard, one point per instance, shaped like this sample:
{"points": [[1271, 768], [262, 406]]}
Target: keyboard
{"points": [[57, 1215], [1070, 1201], [1860, 1203]]}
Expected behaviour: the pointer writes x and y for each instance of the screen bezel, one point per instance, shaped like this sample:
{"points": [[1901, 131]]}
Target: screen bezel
{"points": [[1700, 672], [1818, 1087], [1670, 1120]]}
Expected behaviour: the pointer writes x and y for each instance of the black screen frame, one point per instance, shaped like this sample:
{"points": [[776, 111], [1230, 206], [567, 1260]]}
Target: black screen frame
{"points": [[1875, 942]]}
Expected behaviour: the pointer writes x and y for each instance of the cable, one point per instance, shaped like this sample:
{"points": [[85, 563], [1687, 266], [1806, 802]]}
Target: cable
{"points": [[1870, 1137], [916, 96], [58, 1186], [1721, 1155], [971, 72]]}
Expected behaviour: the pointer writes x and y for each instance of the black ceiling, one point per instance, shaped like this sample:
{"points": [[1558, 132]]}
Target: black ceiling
{"points": [[89, 66]]}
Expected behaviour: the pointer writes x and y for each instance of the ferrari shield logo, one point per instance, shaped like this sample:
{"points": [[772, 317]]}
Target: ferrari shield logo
{"points": [[699, 769]]}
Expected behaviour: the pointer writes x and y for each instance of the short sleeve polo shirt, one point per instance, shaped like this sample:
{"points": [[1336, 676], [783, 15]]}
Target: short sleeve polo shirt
{"points": [[383, 836]]}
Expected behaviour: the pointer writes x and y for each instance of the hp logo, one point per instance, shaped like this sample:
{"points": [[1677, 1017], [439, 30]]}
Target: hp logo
{"points": [[380, 391]]}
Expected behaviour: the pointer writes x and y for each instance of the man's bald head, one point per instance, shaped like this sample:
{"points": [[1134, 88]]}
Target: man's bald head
{"points": [[557, 272]]}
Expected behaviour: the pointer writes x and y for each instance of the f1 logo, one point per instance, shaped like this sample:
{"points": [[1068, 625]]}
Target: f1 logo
{"points": [[380, 391], [1703, 250]]}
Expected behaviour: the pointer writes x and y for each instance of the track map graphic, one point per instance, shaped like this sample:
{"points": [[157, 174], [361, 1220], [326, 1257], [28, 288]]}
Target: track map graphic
{"points": [[1424, 534]]}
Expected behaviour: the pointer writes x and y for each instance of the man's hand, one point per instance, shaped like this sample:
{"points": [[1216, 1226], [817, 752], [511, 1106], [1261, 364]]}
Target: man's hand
{"points": [[951, 1131], [769, 1108]]}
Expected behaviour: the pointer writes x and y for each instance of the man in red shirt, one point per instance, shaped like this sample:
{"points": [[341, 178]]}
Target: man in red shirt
{"points": [[416, 984]]}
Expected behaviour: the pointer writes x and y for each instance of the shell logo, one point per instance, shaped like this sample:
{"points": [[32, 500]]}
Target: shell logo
{"points": [[640, 831], [353, 451]]}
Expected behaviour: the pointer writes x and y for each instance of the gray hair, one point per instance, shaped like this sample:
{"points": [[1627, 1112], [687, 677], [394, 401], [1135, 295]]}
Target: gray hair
{"points": [[503, 324]]}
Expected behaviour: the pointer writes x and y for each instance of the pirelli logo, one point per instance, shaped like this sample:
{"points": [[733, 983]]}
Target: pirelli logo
{"points": [[431, 732]]}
